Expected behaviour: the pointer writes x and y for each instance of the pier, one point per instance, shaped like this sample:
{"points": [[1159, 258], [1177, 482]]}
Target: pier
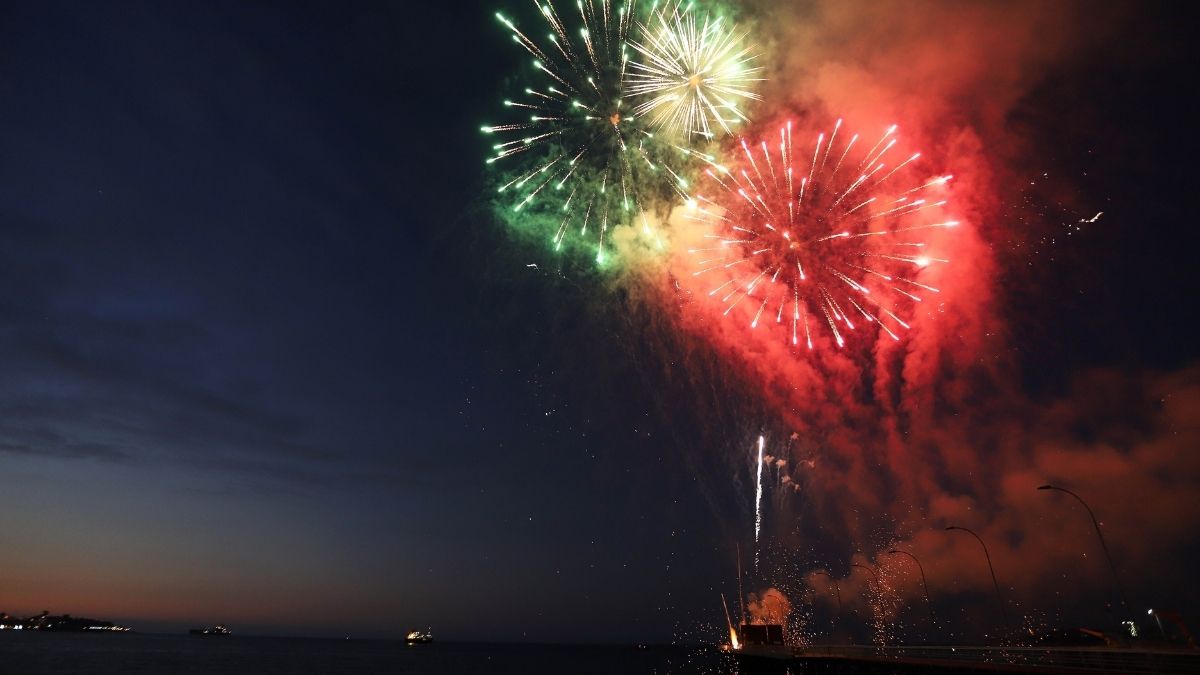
{"points": [[968, 659]]}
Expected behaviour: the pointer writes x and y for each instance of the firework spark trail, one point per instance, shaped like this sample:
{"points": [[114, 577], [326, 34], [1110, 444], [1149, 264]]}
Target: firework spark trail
{"points": [[693, 72], [758, 500], [840, 248], [733, 636], [583, 144]]}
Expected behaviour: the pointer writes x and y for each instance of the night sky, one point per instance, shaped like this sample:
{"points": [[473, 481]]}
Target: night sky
{"points": [[269, 360]]}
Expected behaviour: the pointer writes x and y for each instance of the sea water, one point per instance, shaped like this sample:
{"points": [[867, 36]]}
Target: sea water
{"points": [[31, 653]]}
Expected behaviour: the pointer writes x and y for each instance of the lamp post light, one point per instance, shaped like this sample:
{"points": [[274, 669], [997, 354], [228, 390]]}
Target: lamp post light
{"points": [[1157, 620], [995, 584], [1100, 536], [921, 568]]}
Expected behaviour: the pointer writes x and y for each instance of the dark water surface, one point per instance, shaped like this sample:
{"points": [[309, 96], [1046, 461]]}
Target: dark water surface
{"points": [[135, 654]]}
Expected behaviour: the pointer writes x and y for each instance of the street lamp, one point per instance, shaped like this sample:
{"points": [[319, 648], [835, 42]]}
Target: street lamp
{"points": [[995, 584], [1100, 536], [837, 591], [921, 568], [867, 568]]}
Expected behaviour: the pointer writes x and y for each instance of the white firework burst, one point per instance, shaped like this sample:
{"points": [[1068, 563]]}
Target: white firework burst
{"points": [[693, 73]]}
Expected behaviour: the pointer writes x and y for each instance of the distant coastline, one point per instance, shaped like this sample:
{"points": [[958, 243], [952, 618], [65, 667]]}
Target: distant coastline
{"points": [[63, 623]]}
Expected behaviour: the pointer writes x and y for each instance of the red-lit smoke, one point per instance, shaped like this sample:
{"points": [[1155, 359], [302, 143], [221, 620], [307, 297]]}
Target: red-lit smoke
{"points": [[836, 240], [931, 430], [768, 607]]}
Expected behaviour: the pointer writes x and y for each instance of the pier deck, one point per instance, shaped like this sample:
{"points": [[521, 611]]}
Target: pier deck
{"points": [[1050, 660]]}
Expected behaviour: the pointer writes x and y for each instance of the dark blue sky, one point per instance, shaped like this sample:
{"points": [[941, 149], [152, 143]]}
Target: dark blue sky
{"points": [[265, 360], [247, 372]]}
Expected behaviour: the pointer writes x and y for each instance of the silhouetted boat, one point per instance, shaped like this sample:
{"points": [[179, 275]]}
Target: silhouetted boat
{"points": [[218, 629]]}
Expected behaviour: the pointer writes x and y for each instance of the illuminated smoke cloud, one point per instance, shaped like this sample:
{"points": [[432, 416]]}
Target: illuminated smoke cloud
{"points": [[896, 438], [768, 607], [832, 241], [904, 437]]}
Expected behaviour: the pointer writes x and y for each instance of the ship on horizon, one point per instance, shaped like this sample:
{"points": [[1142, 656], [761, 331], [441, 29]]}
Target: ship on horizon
{"points": [[419, 637], [219, 629]]}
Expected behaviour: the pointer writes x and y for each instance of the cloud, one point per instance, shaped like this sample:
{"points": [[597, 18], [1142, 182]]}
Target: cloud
{"points": [[96, 451], [117, 373]]}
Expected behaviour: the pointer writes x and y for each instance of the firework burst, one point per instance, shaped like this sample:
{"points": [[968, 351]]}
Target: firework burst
{"points": [[833, 238], [591, 163], [693, 73]]}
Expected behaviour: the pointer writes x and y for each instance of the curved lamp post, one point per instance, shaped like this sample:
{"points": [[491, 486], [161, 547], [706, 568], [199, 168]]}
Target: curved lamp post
{"points": [[878, 584], [873, 574], [867, 568], [1100, 536], [921, 568], [838, 592], [995, 584]]}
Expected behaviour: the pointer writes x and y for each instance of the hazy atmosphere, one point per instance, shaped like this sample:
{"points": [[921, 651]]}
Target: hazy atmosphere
{"points": [[280, 353]]}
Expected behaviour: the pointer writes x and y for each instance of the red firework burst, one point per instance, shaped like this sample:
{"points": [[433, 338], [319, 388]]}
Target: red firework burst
{"points": [[835, 237]]}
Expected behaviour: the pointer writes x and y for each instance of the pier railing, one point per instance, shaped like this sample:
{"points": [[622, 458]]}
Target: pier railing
{"points": [[1047, 659]]}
